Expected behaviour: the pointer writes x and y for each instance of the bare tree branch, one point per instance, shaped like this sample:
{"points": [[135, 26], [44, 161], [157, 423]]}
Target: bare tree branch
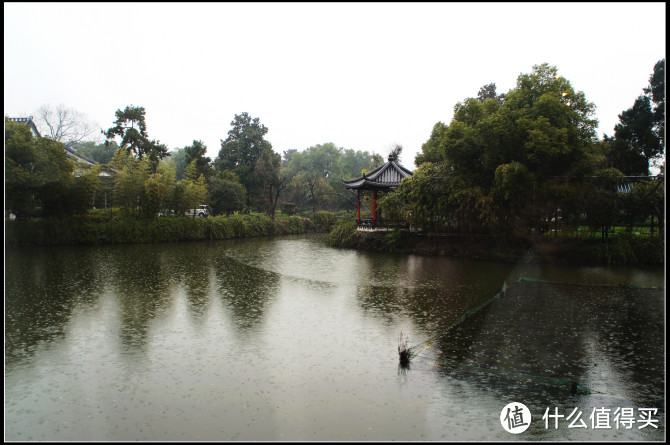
{"points": [[63, 124]]}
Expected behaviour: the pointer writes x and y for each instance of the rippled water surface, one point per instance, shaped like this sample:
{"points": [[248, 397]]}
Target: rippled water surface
{"points": [[285, 339]]}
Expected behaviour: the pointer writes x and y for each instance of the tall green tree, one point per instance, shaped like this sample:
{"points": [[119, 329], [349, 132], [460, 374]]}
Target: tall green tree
{"points": [[166, 178], [431, 150], [542, 123], [154, 195], [635, 142], [243, 147], [499, 148], [552, 122], [130, 125], [196, 153], [179, 157], [130, 179], [195, 193], [227, 194], [271, 180], [640, 134], [656, 92]]}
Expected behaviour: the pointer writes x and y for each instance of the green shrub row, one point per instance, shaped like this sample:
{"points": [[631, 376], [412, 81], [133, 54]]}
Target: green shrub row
{"points": [[619, 249], [343, 234], [85, 230], [323, 221]]}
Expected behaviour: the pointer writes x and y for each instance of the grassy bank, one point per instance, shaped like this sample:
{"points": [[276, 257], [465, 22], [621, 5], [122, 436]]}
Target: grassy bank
{"points": [[618, 249], [92, 230]]}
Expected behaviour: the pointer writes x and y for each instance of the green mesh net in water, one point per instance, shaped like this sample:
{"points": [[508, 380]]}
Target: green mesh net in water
{"points": [[570, 385], [545, 333]]}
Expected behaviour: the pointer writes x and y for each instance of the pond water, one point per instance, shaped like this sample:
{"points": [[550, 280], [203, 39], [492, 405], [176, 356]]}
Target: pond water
{"points": [[286, 339]]}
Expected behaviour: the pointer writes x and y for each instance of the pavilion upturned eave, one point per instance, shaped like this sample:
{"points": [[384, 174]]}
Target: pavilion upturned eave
{"points": [[369, 185], [384, 177]]}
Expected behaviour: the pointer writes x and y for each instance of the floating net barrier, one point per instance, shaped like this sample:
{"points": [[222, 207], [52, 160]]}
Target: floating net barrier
{"points": [[554, 382], [624, 285], [549, 325], [418, 349]]}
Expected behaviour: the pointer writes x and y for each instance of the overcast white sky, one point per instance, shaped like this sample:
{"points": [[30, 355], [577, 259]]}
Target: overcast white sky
{"points": [[363, 76]]}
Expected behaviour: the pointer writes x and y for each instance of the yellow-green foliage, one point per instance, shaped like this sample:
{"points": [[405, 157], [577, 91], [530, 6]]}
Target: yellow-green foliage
{"points": [[100, 230], [130, 230]]}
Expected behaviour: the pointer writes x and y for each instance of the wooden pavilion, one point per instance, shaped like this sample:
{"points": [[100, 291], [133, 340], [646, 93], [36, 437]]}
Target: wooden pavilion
{"points": [[381, 179]]}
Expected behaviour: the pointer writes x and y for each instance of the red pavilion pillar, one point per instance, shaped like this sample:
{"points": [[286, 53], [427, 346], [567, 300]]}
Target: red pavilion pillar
{"points": [[374, 208], [358, 206]]}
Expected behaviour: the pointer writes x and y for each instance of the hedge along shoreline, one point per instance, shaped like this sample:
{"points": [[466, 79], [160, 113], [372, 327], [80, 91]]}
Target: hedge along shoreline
{"points": [[82, 230], [618, 249]]}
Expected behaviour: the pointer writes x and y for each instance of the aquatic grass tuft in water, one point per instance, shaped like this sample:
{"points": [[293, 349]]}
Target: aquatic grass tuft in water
{"points": [[403, 349]]}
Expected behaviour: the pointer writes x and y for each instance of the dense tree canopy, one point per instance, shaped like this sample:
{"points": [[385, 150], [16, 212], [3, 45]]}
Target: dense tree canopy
{"points": [[40, 180], [314, 176], [516, 162], [489, 92], [100, 153], [228, 194]]}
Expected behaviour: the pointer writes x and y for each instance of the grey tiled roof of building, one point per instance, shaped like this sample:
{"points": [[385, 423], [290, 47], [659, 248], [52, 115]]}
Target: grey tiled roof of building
{"points": [[385, 176]]}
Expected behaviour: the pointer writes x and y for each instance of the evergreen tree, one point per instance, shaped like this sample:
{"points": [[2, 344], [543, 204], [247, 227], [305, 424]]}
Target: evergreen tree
{"points": [[638, 137], [243, 147], [131, 126], [196, 153]]}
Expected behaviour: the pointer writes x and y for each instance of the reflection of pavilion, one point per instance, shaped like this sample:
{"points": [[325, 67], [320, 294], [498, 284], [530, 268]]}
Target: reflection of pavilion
{"points": [[381, 179]]}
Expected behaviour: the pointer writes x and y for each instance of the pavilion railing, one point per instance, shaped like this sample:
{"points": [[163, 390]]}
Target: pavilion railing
{"points": [[368, 223]]}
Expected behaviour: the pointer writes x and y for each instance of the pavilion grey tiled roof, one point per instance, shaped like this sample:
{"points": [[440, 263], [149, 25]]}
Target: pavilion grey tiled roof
{"points": [[383, 177]]}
